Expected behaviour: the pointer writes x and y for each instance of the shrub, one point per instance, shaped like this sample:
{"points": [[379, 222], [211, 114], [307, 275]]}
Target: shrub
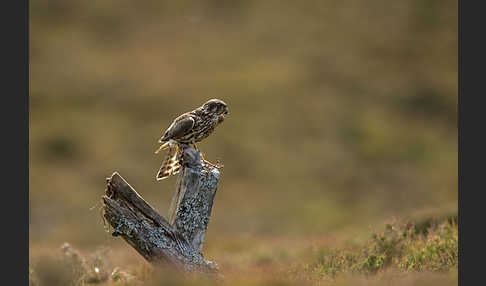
{"points": [[402, 246]]}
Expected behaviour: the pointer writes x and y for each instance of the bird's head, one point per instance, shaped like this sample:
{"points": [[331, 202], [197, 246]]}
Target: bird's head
{"points": [[215, 107]]}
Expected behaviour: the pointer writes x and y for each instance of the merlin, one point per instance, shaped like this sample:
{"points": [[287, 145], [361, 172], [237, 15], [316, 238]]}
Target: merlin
{"points": [[189, 128]]}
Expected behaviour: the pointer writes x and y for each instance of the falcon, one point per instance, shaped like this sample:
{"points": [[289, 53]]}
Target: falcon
{"points": [[189, 128]]}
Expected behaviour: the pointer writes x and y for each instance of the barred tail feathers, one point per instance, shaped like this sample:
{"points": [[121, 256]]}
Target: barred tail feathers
{"points": [[170, 166]]}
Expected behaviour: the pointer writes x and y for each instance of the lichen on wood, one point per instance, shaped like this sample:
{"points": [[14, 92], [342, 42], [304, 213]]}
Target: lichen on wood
{"points": [[180, 242]]}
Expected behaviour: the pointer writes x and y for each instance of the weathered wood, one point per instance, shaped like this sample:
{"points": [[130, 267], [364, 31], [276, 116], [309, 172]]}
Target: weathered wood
{"points": [[129, 194], [151, 235], [193, 201]]}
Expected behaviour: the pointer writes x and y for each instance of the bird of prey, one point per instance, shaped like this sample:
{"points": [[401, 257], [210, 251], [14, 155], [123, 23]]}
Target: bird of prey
{"points": [[189, 128]]}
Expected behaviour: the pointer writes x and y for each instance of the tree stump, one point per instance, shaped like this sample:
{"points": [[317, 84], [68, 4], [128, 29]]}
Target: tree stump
{"points": [[179, 241]]}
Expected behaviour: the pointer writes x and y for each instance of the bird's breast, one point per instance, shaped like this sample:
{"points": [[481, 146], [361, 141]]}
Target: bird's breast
{"points": [[203, 127]]}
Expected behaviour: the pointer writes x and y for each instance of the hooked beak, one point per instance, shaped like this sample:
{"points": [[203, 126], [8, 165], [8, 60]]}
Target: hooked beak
{"points": [[226, 111]]}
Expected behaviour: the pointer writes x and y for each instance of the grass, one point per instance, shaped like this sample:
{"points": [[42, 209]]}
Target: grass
{"points": [[401, 248], [404, 247]]}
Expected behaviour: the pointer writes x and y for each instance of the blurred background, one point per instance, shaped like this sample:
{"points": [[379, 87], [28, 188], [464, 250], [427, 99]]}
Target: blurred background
{"points": [[342, 114]]}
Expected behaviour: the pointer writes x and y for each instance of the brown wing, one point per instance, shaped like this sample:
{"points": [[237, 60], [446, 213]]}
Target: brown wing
{"points": [[180, 127]]}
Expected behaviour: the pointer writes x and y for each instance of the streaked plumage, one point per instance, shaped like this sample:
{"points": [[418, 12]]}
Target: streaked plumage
{"points": [[189, 128]]}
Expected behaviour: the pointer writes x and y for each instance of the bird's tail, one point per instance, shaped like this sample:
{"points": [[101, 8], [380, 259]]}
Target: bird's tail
{"points": [[171, 164]]}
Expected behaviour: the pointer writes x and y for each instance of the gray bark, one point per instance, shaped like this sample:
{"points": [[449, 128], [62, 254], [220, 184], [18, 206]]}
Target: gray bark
{"points": [[192, 202], [180, 241]]}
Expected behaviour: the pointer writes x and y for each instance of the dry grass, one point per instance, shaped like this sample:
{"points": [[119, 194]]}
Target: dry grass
{"points": [[403, 253]]}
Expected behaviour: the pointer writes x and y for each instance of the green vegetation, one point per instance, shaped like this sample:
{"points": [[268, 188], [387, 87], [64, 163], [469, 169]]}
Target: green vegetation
{"points": [[401, 246]]}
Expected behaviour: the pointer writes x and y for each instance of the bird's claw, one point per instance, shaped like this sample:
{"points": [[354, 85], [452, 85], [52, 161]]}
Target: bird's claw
{"points": [[217, 165]]}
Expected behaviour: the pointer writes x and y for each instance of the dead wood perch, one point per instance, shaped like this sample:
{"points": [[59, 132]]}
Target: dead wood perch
{"points": [[178, 242]]}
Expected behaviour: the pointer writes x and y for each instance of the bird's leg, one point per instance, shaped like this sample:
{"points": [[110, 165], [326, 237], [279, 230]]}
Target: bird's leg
{"points": [[197, 149], [180, 153], [217, 165]]}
